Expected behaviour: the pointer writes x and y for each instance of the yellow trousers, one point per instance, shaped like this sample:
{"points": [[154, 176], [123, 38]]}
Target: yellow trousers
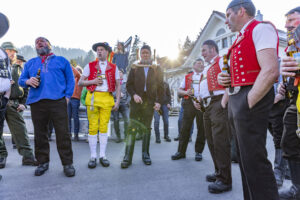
{"points": [[99, 105]]}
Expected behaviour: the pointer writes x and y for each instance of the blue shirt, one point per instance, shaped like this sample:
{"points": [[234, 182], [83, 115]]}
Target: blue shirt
{"points": [[146, 69], [57, 79], [121, 60]]}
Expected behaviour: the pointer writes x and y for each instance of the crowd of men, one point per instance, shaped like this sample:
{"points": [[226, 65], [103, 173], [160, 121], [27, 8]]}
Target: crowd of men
{"points": [[235, 100]]}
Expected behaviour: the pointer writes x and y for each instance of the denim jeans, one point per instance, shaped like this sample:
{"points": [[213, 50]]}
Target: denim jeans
{"points": [[124, 110], [73, 108], [165, 116], [180, 122]]}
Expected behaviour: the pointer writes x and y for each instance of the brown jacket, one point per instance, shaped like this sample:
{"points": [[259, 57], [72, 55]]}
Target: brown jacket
{"points": [[77, 88]]}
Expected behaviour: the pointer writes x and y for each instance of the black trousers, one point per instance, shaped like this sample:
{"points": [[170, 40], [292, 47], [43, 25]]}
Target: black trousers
{"points": [[218, 135], [189, 114], [276, 121], [250, 130], [290, 142], [42, 112]]}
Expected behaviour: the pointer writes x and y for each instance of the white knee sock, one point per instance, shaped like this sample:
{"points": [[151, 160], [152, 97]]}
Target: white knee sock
{"points": [[103, 142], [93, 145]]}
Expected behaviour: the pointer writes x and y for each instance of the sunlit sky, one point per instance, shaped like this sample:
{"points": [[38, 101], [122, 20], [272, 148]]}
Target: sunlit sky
{"points": [[160, 23]]}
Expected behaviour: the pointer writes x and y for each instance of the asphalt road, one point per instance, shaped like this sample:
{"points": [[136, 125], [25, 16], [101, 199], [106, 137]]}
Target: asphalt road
{"points": [[164, 179]]}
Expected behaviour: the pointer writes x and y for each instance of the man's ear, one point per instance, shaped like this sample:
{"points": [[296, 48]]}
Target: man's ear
{"points": [[49, 45]]}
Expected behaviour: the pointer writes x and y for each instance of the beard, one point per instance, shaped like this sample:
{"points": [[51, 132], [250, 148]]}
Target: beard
{"points": [[43, 51]]}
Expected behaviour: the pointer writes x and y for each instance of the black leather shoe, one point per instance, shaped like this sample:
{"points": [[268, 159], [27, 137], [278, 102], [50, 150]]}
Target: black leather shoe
{"points": [[219, 187], [158, 140], [104, 162], [92, 163], [176, 139], [167, 139], [14, 146], [146, 159], [291, 194], [198, 156], [211, 177], [118, 140], [2, 162], [178, 156], [76, 137], [125, 164], [69, 170], [41, 169], [29, 161]]}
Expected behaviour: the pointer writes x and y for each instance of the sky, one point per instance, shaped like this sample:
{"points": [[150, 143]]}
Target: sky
{"points": [[160, 23]]}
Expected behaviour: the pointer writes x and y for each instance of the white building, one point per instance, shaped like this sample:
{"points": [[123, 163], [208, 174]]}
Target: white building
{"points": [[217, 30]]}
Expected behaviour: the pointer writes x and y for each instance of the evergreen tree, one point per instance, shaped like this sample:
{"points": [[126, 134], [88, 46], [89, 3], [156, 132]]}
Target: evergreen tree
{"points": [[135, 46]]}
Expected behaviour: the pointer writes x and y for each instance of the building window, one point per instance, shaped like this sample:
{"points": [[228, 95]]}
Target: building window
{"points": [[232, 38], [221, 31], [224, 43], [218, 44]]}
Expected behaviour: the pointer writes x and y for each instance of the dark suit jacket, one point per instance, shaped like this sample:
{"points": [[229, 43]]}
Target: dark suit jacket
{"points": [[154, 83]]}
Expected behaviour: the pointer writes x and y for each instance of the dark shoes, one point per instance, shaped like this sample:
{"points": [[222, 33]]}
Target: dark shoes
{"points": [[157, 140], [92, 163], [176, 139], [104, 162], [2, 162], [198, 156], [14, 146], [146, 158], [29, 161], [211, 177], [178, 156], [292, 193], [125, 164], [118, 140], [219, 187], [76, 137], [69, 170], [41, 169], [167, 139]]}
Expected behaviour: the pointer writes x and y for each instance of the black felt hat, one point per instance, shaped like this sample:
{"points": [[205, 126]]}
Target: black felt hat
{"points": [[4, 25], [101, 44], [19, 57]]}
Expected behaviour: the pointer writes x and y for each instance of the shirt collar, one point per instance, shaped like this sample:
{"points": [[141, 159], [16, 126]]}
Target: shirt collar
{"points": [[105, 62], [195, 73], [245, 26], [213, 59]]}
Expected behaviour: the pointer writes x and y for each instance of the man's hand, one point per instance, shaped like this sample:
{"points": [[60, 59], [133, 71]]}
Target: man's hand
{"points": [[288, 67], [12, 82], [169, 106], [33, 82], [278, 97], [281, 89], [156, 106], [116, 106], [224, 79], [197, 105], [189, 92], [137, 99], [97, 81], [20, 108], [67, 100]]}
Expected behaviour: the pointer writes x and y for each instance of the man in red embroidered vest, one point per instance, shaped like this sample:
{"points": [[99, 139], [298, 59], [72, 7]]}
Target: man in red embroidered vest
{"points": [[253, 68], [191, 87], [101, 79], [217, 131], [290, 142]]}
